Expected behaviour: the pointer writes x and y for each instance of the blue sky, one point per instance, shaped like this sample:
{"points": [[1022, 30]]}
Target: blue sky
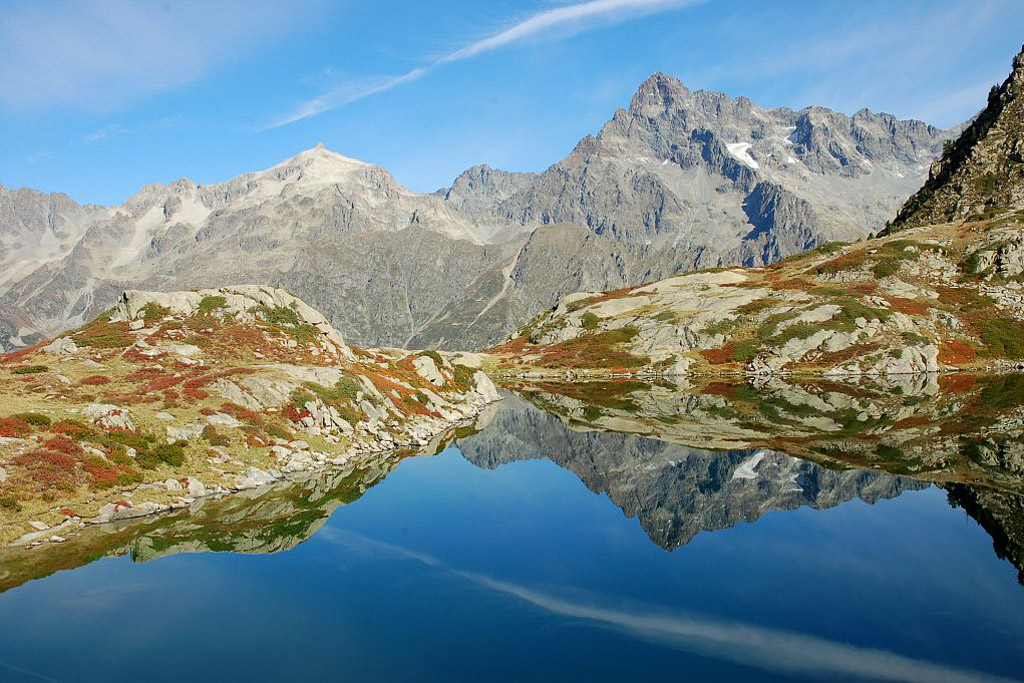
{"points": [[98, 98]]}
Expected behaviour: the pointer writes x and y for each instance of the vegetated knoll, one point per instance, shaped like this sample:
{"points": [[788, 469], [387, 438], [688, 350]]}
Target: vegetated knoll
{"points": [[171, 397], [938, 298]]}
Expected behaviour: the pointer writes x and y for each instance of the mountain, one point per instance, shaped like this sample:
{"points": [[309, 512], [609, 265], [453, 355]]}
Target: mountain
{"points": [[922, 298], [174, 396], [982, 173], [682, 179]]}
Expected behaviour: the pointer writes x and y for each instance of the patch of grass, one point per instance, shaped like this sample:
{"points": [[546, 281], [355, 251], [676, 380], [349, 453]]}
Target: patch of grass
{"points": [[798, 330], [723, 326], [29, 369], [153, 311], [10, 503], [214, 437], [851, 309], [754, 307], [287, 318], [590, 321], [1004, 338], [745, 350], [209, 304], [172, 454], [34, 419], [913, 339]]}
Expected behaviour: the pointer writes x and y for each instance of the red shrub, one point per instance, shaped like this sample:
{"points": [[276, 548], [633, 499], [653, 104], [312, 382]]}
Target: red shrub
{"points": [[196, 394], [12, 427], [71, 428], [94, 380], [63, 444], [726, 354], [956, 353], [49, 468], [161, 383]]}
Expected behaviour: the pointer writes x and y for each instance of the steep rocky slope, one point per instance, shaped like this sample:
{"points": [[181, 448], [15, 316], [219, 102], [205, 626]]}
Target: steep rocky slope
{"points": [[173, 396], [983, 171], [680, 180]]}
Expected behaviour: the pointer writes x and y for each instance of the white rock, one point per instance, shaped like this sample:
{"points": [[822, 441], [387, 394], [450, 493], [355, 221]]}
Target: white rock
{"points": [[173, 485], [61, 346], [39, 526], [222, 419], [427, 369], [184, 432], [109, 416], [196, 488]]}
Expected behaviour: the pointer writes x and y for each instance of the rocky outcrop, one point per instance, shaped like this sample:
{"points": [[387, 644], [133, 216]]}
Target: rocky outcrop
{"points": [[927, 301], [245, 303], [173, 396]]}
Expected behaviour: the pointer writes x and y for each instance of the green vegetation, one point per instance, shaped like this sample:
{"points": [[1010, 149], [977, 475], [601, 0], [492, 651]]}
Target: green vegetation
{"points": [[172, 454], [1003, 337], [434, 356], [288, 319], [29, 369], [153, 312], [590, 321], [723, 326], [209, 304], [214, 437], [34, 419], [912, 339]]}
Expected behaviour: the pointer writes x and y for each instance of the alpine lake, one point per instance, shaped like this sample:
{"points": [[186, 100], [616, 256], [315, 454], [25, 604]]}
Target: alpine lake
{"points": [[626, 530]]}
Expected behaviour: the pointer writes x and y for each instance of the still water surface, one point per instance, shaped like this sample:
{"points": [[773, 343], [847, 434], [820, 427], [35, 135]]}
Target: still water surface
{"points": [[546, 554]]}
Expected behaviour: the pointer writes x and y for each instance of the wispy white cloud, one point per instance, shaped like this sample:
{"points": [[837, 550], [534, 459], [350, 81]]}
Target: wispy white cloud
{"points": [[102, 133], [562, 22], [746, 644], [99, 53]]}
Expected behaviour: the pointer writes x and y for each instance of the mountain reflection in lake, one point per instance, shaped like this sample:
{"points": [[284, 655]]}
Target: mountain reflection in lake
{"points": [[496, 560]]}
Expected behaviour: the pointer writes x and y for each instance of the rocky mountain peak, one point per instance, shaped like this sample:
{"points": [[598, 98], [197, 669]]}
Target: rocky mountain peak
{"points": [[658, 90]]}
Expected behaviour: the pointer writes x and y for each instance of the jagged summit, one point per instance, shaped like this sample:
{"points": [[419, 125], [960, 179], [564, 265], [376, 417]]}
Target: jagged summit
{"points": [[983, 171]]}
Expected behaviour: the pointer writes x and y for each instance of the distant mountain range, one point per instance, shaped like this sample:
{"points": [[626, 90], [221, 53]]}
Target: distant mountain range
{"points": [[939, 290], [682, 179]]}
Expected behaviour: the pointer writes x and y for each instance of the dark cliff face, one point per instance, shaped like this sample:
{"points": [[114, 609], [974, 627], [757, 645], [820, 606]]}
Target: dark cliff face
{"points": [[983, 170], [675, 492]]}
